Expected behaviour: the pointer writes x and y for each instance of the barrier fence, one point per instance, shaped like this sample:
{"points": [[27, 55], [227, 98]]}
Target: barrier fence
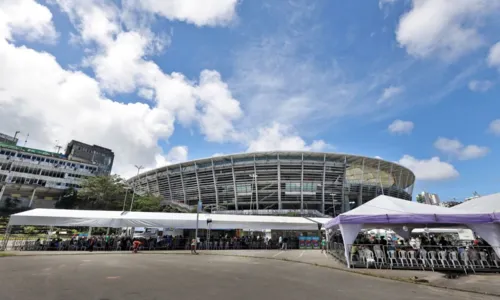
{"points": [[450, 258], [116, 243]]}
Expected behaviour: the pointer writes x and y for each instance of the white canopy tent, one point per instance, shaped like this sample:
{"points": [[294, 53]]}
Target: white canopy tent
{"points": [[483, 204], [116, 219]]}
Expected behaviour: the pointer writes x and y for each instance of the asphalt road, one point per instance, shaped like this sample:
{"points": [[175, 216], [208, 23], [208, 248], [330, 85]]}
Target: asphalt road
{"points": [[157, 276]]}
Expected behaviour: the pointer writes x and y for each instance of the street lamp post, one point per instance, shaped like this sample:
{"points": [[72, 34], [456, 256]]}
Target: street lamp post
{"points": [[254, 176], [134, 188], [125, 199]]}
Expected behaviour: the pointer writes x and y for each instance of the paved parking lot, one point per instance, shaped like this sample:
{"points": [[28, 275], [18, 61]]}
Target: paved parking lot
{"points": [[156, 276]]}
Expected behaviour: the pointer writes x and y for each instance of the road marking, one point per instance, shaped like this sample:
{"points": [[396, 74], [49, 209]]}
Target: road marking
{"points": [[86, 260], [302, 254], [277, 254], [112, 277], [324, 253]]}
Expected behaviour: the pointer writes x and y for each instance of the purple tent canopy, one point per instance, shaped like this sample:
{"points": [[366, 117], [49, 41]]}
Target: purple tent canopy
{"points": [[396, 213]]}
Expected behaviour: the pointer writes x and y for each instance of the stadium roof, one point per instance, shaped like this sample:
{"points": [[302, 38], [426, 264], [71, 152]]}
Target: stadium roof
{"points": [[116, 219]]}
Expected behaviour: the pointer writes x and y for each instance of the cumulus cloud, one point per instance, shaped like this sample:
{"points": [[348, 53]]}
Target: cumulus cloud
{"points": [[494, 56], [389, 93], [281, 137], [199, 13], [455, 148], [147, 94], [480, 85], [27, 19], [495, 127], [401, 127], [447, 29], [432, 169], [66, 104]]}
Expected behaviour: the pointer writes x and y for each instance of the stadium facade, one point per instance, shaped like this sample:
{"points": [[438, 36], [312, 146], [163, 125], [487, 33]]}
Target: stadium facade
{"points": [[330, 183]]}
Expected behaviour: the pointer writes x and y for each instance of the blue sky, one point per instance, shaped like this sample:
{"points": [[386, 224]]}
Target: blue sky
{"points": [[415, 82]]}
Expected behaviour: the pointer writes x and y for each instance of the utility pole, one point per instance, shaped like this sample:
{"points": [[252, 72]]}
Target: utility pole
{"points": [[134, 189]]}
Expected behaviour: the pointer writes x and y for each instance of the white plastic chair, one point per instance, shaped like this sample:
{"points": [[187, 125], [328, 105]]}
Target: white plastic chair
{"points": [[362, 256], [484, 259], [454, 259], [379, 256], [391, 255], [442, 258], [432, 258], [494, 259], [403, 258], [369, 258], [474, 258], [423, 257], [412, 258]]}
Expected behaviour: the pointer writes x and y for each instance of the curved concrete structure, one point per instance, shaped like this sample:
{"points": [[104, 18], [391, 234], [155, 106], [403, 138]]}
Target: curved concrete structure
{"points": [[326, 182]]}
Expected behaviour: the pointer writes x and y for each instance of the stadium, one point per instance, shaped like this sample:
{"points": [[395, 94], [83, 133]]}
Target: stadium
{"points": [[329, 183]]}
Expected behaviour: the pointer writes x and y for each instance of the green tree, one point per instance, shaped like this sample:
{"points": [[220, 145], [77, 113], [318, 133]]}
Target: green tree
{"points": [[69, 199], [102, 192], [420, 198], [147, 203]]}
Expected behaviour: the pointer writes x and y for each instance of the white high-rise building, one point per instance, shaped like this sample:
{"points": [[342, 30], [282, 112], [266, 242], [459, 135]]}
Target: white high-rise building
{"points": [[431, 199]]}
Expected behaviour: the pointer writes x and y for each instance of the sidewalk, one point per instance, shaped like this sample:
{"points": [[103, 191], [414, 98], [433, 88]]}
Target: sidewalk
{"points": [[485, 284]]}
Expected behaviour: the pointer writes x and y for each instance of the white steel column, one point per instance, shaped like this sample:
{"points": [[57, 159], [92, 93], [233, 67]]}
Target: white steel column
{"points": [[197, 181], [302, 183], [215, 185], [378, 177], [279, 182], [234, 185], [169, 186], [183, 188], [406, 182], [323, 186], [32, 197], [256, 185], [360, 196], [343, 206], [157, 184], [147, 183], [4, 187]]}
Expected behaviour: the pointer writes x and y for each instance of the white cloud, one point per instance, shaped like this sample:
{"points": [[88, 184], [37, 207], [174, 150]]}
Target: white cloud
{"points": [[455, 148], [378, 157], [147, 94], [480, 85], [219, 108], [382, 3], [176, 155], [401, 127], [218, 154], [448, 29], [281, 137], [27, 19], [199, 13], [390, 93], [494, 56], [495, 127], [66, 104], [429, 169]]}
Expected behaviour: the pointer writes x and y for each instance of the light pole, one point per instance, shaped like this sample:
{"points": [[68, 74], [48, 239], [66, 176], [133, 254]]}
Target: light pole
{"points": [[254, 176], [125, 199], [133, 195]]}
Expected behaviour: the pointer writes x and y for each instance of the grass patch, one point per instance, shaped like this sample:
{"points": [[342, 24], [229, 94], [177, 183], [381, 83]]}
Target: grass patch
{"points": [[4, 254]]}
